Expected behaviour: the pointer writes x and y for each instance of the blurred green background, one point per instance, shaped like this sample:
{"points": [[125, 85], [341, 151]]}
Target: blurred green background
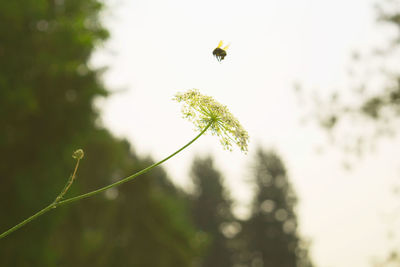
{"points": [[47, 91]]}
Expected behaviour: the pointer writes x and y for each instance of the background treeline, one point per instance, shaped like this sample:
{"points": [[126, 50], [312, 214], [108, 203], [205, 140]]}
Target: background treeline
{"points": [[47, 93]]}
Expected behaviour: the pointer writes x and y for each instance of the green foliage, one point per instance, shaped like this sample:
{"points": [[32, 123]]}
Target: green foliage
{"points": [[211, 209], [46, 109], [269, 237], [374, 100], [138, 224], [371, 108]]}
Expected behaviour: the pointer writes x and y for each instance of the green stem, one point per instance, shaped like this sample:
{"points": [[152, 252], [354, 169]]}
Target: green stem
{"points": [[16, 227], [68, 184], [72, 199], [92, 193]]}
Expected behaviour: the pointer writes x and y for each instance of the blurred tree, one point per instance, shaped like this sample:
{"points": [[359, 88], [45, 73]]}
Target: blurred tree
{"points": [[211, 209], [355, 117], [269, 237], [47, 92], [143, 223]]}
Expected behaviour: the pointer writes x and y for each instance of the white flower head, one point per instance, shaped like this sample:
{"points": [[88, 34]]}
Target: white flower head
{"points": [[203, 110]]}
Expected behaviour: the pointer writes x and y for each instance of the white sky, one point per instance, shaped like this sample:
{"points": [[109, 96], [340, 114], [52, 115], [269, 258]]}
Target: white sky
{"points": [[158, 48]]}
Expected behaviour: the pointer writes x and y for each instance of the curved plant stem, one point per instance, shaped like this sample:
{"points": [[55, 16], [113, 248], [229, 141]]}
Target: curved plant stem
{"points": [[68, 184], [92, 193], [72, 199]]}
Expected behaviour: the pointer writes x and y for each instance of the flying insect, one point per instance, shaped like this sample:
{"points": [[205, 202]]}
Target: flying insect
{"points": [[220, 53]]}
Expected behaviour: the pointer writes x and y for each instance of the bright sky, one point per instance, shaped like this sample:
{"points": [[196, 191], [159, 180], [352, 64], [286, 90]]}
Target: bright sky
{"points": [[158, 48]]}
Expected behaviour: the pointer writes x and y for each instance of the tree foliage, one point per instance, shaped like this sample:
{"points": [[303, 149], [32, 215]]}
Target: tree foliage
{"points": [[211, 212], [370, 107], [270, 237], [357, 116], [47, 91]]}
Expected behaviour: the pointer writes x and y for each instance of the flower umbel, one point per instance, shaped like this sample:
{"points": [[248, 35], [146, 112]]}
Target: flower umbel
{"points": [[202, 110]]}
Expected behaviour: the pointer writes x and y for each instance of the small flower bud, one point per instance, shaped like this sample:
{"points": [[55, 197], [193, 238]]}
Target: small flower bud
{"points": [[78, 154]]}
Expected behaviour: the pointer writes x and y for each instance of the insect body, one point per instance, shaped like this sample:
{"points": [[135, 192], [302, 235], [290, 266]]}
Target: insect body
{"points": [[220, 53]]}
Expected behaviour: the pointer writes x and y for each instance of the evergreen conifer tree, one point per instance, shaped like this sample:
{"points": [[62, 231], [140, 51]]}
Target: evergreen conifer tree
{"points": [[211, 209], [269, 236]]}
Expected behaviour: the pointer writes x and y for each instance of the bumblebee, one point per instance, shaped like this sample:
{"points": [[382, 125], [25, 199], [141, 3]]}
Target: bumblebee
{"points": [[219, 52]]}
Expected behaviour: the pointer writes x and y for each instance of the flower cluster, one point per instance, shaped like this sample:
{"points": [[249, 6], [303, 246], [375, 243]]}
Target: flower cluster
{"points": [[203, 110]]}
